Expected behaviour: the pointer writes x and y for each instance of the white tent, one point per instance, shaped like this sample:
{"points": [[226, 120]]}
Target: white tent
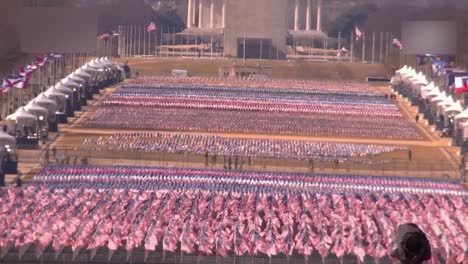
{"points": [[47, 103], [447, 102], [7, 140], [462, 116], [22, 117], [37, 110], [69, 83], [63, 89], [58, 97], [77, 79], [441, 97], [428, 87], [82, 74], [455, 108], [434, 93], [88, 69]]}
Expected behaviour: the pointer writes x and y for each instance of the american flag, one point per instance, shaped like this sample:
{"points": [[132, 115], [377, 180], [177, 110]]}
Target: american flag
{"points": [[397, 43], [358, 33], [151, 27]]}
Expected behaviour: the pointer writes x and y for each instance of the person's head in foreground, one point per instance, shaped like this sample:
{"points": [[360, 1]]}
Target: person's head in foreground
{"points": [[411, 245]]}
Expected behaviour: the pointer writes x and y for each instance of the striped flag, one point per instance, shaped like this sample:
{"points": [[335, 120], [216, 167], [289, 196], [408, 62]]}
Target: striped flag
{"points": [[397, 43], [11, 81], [461, 84], [358, 33], [151, 27]]}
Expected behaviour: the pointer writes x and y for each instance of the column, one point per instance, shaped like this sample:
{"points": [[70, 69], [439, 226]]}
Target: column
{"points": [[319, 15], [189, 13], [308, 21], [223, 14], [194, 12], [200, 14], [212, 14], [296, 16]]}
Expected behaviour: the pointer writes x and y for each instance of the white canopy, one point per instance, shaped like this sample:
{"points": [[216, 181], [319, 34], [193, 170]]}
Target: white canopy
{"points": [[88, 69], [47, 103], [455, 108], [462, 115], [435, 92], [104, 62], [68, 82], [22, 117], [63, 89], [7, 140], [441, 97], [447, 102], [58, 97], [95, 64], [76, 79], [428, 87], [402, 69], [37, 110], [82, 74]]}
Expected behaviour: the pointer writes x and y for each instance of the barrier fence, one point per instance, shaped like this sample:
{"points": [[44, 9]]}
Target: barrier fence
{"points": [[395, 166]]}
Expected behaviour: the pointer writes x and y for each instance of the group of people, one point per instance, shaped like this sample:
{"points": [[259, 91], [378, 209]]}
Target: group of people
{"points": [[215, 146], [230, 213], [62, 157]]}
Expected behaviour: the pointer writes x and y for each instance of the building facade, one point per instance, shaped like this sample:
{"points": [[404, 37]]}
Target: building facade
{"points": [[255, 29]]}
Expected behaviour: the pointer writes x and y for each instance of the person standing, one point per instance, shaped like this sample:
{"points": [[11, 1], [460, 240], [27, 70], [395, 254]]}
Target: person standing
{"points": [[214, 159], [229, 163], [206, 159], [417, 118], [311, 165], [236, 162], [410, 154]]}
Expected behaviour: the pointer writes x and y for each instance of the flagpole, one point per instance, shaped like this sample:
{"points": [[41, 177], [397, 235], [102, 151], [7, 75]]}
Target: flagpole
{"points": [[363, 46], [386, 47], [244, 48], [351, 44], [156, 43], [173, 42], [161, 41], [130, 41], [144, 42], [381, 48], [139, 40], [339, 46], [373, 47]]}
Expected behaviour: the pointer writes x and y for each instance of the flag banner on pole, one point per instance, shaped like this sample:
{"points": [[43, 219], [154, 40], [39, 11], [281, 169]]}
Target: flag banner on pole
{"points": [[358, 33], [461, 84], [397, 43], [151, 27], [12, 81]]}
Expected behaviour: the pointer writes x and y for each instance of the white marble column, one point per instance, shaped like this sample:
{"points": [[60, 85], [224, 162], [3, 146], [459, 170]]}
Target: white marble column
{"points": [[212, 7], [200, 14], [308, 16], [319, 15], [296, 15], [189, 13], [194, 12], [223, 14]]}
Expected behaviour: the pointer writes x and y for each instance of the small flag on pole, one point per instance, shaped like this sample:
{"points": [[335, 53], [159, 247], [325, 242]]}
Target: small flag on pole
{"points": [[397, 43], [151, 27], [358, 33]]}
